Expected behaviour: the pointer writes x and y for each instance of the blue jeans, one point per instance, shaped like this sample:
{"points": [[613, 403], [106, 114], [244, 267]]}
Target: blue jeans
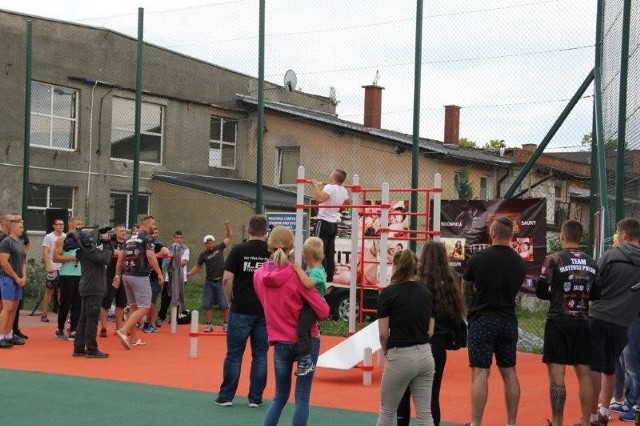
{"points": [[631, 354], [285, 354], [240, 328]]}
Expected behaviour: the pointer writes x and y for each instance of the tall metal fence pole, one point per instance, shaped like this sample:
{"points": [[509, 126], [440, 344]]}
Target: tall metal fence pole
{"points": [[622, 109], [133, 212], [260, 123], [27, 123], [599, 135], [413, 221]]}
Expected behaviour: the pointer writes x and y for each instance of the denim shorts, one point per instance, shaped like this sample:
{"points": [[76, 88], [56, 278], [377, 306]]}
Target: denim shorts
{"points": [[9, 290], [213, 294]]}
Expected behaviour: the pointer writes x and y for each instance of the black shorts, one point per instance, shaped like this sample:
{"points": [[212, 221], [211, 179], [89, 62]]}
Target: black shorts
{"points": [[607, 342], [491, 335], [119, 294], [566, 342]]}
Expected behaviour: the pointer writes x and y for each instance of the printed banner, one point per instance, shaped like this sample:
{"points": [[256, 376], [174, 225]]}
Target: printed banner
{"points": [[369, 261], [465, 230]]}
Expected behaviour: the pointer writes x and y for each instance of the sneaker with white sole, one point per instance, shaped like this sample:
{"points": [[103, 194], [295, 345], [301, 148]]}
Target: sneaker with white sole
{"points": [[208, 328], [620, 407], [224, 402], [224, 327], [255, 404]]}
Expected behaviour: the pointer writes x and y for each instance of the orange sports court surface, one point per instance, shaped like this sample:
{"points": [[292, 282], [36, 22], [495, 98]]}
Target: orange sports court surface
{"points": [[165, 361]]}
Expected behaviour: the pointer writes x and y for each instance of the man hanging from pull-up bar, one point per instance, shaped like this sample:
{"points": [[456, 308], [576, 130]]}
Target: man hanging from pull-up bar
{"points": [[331, 195]]}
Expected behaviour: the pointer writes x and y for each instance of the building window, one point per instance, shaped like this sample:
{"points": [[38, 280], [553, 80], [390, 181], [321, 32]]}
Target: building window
{"points": [[486, 188], [123, 130], [43, 197], [121, 204], [53, 116], [287, 165], [223, 135]]}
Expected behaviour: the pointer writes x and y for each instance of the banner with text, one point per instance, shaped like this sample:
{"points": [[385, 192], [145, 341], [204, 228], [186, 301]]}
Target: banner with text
{"points": [[465, 230]]}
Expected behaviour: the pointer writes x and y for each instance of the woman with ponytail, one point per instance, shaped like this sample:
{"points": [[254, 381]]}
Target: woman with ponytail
{"points": [[435, 273], [282, 295]]}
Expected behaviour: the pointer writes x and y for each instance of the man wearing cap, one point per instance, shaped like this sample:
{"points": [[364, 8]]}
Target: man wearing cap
{"points": [[213, 259]]}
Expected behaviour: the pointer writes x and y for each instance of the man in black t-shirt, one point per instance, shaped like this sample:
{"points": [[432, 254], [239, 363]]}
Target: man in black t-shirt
{"points": [[566, 280], [246, 319], [213, 294], [135, 263], [493, 278], [117, 243]]}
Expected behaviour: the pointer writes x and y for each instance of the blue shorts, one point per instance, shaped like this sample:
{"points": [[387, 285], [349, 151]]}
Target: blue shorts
{"points": [[214, 295], [490, 335], [9, 290]]}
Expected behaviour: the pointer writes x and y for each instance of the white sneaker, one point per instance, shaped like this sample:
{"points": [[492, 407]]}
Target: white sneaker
{"points": [[208, 328]]}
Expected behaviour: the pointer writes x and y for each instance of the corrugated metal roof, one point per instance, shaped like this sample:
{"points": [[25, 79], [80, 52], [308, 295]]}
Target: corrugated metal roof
{"points": [[238, 189], [391, 137]]}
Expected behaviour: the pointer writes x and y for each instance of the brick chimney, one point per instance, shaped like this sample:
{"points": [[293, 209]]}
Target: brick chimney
{"points": [[373, 105], [451, 124]]}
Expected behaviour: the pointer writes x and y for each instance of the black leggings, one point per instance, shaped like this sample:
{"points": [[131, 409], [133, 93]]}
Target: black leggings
{"points": [[69, 287], [404, 408]]}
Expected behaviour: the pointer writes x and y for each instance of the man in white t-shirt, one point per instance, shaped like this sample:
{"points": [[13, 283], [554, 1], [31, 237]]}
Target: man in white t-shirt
{"points": [[53, 268], [332, 194]]}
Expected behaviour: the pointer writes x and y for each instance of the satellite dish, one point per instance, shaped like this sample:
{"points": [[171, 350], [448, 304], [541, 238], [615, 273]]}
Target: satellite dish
{"points": [[290, 81], [332, 96]]}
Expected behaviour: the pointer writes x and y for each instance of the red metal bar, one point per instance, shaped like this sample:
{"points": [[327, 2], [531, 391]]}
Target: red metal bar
{"points": [[341, 206]]}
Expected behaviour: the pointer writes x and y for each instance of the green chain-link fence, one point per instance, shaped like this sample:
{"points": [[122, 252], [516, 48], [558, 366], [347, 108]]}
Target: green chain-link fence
{"points": [[510, 68]]}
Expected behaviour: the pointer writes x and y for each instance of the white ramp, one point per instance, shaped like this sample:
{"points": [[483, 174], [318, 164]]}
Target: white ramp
{"points": [[349, 353]]}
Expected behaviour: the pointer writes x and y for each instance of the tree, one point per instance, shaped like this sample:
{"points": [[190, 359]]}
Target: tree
{"points": [[609, 146], [495, 145], [467, 143], [462, 184], [587, 138]]}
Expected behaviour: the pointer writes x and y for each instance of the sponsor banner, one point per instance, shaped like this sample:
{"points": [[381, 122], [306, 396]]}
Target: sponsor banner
{"points": [[288, 220], [465, 230]]}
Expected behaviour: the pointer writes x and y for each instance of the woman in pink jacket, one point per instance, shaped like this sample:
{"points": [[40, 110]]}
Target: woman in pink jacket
{"points": [[282, 295]]}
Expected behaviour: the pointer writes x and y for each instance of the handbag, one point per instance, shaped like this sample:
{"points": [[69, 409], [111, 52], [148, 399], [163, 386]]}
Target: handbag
{"points": [[456, 336]]}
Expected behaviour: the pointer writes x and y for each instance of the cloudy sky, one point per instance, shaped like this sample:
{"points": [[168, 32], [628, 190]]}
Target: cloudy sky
{"points": [[511, 65]]}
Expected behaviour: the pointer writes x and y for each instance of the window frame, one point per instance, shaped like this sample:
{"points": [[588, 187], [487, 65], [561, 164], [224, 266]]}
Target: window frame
{"points": [[222, 142], [128, 195], [51, 117], [488, 187], [31, 207], [279, 158], [132, 130]]}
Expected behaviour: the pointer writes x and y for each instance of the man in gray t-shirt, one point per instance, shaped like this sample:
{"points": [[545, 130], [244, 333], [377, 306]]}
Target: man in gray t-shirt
{"points": [[12, 281]]}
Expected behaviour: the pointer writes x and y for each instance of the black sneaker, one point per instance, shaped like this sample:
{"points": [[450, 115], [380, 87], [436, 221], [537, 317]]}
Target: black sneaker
{"points": [[97, 354], [78, 353], [5, 344], [20, 334], [60, 335], [224, 402], [15, 340]]}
